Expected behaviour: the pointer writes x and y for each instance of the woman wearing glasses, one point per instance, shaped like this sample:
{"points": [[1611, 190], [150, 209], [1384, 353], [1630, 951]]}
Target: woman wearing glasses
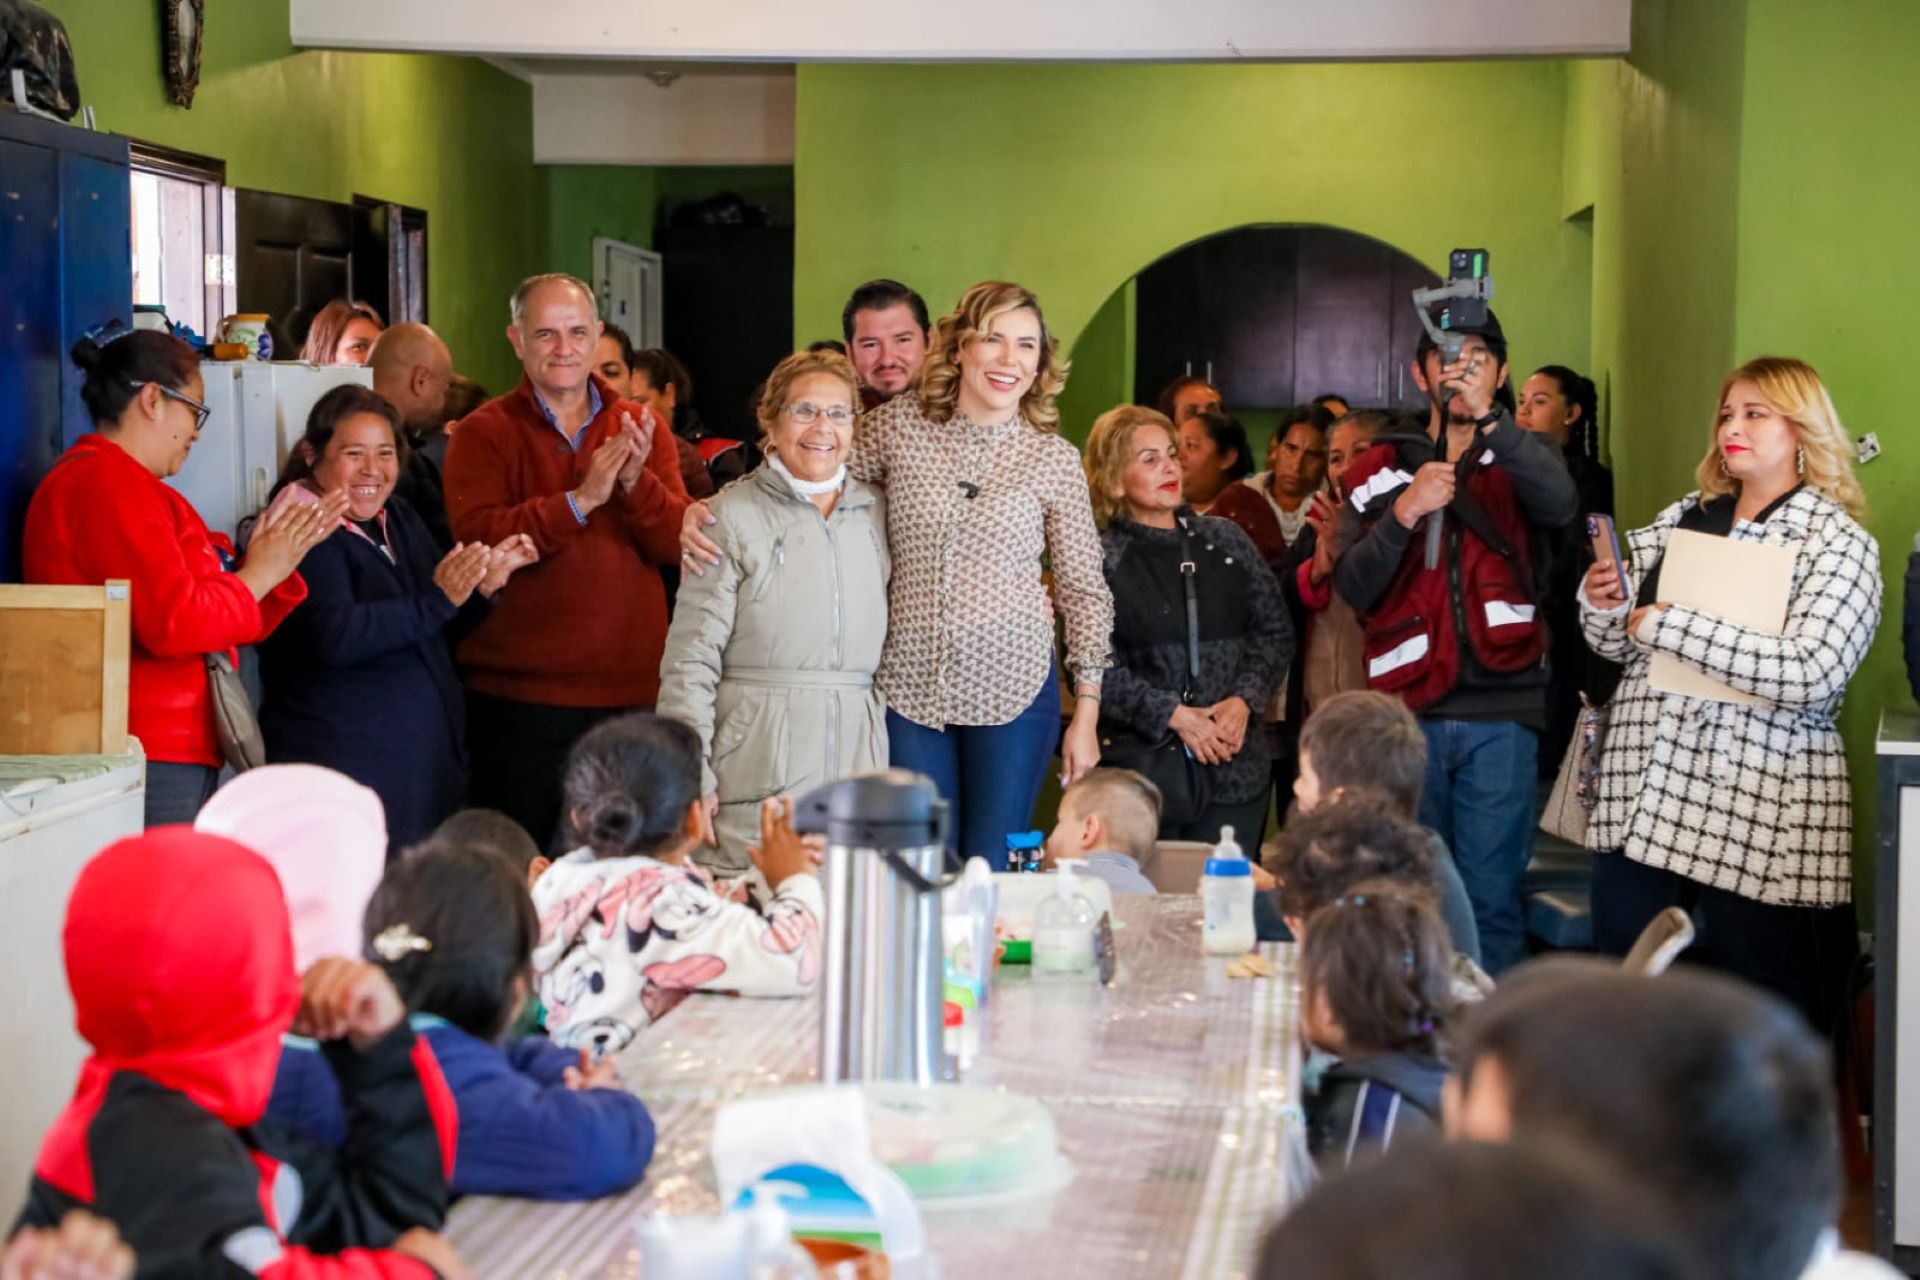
{"points": [[104, 512], [771, 656], [985, 500]]}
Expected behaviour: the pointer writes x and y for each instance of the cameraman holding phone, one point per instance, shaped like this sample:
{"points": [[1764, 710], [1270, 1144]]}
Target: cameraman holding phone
{"points": [[1458, 634]]}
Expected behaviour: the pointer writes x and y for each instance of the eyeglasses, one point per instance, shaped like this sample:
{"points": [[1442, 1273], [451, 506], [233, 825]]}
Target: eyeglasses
{"points": [[806, 413], [201, 412]]}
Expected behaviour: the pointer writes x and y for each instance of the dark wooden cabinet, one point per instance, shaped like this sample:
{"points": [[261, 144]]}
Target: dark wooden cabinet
{"points": [[1274, 316]]}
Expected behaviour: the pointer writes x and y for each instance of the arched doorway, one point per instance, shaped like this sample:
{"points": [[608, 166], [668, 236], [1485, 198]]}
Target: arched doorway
{"points": [[1275, 315]]}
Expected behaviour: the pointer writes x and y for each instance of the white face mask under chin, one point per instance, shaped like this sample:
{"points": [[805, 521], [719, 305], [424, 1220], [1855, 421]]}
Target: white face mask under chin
{"points": [[809, 488]]}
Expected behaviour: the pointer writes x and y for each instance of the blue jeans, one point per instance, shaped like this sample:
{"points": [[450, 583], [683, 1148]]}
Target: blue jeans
{"points": [[1479, 798], [176, 792], [989, 774]]}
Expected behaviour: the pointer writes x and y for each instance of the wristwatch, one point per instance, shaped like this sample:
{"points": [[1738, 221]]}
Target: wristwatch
{"points": [[1488, 418]]}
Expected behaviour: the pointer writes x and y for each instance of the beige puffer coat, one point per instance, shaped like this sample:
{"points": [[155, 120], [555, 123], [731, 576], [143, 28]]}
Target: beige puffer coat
{"points": [[771, 655]]}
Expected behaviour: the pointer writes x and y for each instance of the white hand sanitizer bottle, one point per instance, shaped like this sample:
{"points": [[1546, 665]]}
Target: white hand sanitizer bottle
{"points": [[1226, 891], [1063, 927]]}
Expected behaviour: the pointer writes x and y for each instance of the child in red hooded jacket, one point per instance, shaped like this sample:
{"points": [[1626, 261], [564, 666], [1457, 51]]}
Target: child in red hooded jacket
{"points": [[181, 964]]}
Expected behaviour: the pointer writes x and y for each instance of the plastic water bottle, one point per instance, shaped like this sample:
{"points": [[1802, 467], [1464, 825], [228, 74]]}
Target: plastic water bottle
{"points": [[1226, 891], [983, 900], [773, 1255], [1063, 927], [1026, 850]]}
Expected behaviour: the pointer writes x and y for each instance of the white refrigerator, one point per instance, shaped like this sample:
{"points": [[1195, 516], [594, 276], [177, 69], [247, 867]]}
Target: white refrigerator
{"points": [[259, 410], [56, 812]]}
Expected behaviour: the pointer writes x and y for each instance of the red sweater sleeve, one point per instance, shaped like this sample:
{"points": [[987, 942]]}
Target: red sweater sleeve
{"points": [[183, 604], [1315, 598], [482, 502]]}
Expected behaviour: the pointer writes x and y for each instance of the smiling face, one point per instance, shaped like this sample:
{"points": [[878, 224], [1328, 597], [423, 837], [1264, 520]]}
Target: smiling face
{"points": [[1757, 445], [814, 450], [1298, 460], [356, 341], [999, 364], [556, 337], [1151, 481], [362, 457], [888, 348]]}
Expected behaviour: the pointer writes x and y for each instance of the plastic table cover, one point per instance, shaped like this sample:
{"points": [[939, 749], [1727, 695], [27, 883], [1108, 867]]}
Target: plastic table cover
{"points": [[1174, 1096]]}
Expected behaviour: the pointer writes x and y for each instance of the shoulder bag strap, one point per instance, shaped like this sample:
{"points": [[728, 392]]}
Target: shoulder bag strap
{"points": [[1188, 568]]}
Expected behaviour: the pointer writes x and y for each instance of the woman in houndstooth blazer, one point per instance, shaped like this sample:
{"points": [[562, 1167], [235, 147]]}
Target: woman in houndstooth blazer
{"points": [[1742, 814]]}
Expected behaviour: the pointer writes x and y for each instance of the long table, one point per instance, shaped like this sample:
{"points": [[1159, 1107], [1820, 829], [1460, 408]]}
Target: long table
{"points": [[1174, 1095]]}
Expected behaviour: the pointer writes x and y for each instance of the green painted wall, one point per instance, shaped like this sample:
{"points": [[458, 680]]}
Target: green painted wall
{"points": [[1102, 373], [1665, 127], [1070, 179], [449, 135], [1829, 270], [1755, 187], [584, 201]]}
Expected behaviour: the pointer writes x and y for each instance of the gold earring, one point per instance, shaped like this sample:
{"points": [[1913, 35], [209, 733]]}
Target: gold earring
{"points": [[1800, 461]]}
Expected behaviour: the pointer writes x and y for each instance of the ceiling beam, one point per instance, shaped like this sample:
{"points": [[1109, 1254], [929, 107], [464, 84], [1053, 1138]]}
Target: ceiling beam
{"points": [[981, 30]]}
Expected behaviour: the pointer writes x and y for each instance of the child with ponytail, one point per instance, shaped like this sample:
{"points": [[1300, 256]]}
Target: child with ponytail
{"points": [[629, 927]]}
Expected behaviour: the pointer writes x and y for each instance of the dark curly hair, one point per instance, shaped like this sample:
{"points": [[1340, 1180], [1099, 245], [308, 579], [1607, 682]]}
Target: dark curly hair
{"points": [[1381, 959], [1359, 837]]}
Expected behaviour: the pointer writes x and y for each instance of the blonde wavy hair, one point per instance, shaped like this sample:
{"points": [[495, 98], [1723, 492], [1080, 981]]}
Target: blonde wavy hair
{"points": [[1110, 448], [971, 320], [773, 392], [1793, 390]]}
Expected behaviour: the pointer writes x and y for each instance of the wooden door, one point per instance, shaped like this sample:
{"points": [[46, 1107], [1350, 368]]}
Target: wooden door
{"points": [[294, 256]]}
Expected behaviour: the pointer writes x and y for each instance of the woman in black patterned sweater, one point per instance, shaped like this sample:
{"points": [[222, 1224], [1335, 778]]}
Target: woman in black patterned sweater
{"points": [[1245, 640], [1741, 812]]}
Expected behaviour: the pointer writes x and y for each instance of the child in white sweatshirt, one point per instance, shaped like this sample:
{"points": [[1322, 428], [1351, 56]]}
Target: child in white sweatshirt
{"points": [[628, 926]]}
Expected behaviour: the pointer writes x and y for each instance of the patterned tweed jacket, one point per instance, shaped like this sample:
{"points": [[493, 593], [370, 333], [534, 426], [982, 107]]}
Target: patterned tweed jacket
{"points": [[1752, 799]]}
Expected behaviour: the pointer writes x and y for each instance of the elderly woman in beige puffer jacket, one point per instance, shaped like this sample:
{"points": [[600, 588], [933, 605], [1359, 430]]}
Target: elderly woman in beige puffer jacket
{"points": [[771, 657]]}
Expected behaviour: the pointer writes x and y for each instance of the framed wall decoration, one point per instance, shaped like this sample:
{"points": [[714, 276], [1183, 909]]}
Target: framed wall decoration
{"points": [[182, 22]]}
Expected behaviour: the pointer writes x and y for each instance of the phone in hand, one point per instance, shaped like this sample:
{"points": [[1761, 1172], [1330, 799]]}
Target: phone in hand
{"points": [[1606, 542], [1468, 312]]}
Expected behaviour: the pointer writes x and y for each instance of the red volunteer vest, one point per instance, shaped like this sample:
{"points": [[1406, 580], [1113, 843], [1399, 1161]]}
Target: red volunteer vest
{"points": [[1480, 599]]}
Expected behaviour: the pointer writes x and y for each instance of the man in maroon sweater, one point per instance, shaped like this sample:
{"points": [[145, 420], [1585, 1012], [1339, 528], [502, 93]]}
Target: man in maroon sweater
{"points": [[594, 480]]}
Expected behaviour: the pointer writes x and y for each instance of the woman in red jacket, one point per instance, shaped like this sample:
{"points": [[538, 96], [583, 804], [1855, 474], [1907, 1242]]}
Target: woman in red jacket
{"points": [[104, 512]]}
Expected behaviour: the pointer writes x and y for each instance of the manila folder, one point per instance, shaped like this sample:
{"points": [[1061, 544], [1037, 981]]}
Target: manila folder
{"points": [[1747, 583]]}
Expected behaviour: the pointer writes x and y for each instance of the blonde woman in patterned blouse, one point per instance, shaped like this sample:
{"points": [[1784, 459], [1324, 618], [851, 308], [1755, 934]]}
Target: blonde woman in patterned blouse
{"points": [[980, 487]]}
